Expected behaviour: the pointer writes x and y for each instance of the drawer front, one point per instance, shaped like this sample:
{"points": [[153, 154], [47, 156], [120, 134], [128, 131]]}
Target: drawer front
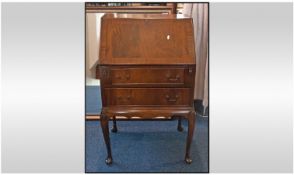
{"points": [[148, 96], [147, 76]]}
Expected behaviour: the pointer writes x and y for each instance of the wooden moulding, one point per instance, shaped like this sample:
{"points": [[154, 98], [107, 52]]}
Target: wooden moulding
{"points": [[97, 117]]}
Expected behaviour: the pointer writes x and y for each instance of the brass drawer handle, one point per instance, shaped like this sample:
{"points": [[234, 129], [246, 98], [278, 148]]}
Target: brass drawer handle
{"points": [[126, 77], [173, 79], [169, 99], [124, 98], [172, 100]]}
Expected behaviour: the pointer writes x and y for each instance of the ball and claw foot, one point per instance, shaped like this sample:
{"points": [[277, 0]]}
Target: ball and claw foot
{"points": [[108, 160], [180, 128], [114, 129], [188, 160]]}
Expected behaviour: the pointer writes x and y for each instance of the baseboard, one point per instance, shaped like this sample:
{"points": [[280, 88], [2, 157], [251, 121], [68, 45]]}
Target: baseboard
{"points": [[199, 108], [93, 117]]}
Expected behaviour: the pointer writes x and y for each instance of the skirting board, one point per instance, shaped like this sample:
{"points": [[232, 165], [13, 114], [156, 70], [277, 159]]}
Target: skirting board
{"points": [[199, 108], [92, 117]]}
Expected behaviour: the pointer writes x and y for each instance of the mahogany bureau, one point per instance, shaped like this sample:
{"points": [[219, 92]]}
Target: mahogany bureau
{"points": [[147, 70]]}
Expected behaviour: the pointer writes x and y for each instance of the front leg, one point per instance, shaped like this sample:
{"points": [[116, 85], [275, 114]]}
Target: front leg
{"points": [[191, 126], [105, 131]]}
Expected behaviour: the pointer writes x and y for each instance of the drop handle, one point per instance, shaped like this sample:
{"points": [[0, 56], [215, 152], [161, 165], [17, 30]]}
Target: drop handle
{"points": [[169, 99], [127, 98], [126, 77], [173, 79]]}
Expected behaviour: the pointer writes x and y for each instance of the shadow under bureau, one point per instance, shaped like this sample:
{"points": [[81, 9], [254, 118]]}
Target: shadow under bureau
{"points": [[147, 70]]}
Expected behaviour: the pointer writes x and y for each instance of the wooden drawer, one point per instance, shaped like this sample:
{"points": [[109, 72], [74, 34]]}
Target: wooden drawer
{"points": [[148, 96], [144, 76]]}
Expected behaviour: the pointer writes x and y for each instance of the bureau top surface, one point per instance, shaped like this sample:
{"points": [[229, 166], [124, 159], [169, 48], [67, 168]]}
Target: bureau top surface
{"points": [[146, 39], [144, 16]]}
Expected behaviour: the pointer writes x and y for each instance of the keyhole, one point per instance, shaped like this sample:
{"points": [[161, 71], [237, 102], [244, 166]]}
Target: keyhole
{"points": [[168, 37]]}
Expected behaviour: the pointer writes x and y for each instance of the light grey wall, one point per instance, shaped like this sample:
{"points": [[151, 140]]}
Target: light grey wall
{"points": [[43, 87], [251, 125]]}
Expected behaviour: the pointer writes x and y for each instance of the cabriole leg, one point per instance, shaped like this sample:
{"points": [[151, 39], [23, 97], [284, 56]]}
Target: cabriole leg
{"points": [[105, 131], [191, 126]]}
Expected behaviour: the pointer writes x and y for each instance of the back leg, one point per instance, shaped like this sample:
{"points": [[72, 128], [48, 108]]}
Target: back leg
{"points": [[114, 128], [180, 128]]}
